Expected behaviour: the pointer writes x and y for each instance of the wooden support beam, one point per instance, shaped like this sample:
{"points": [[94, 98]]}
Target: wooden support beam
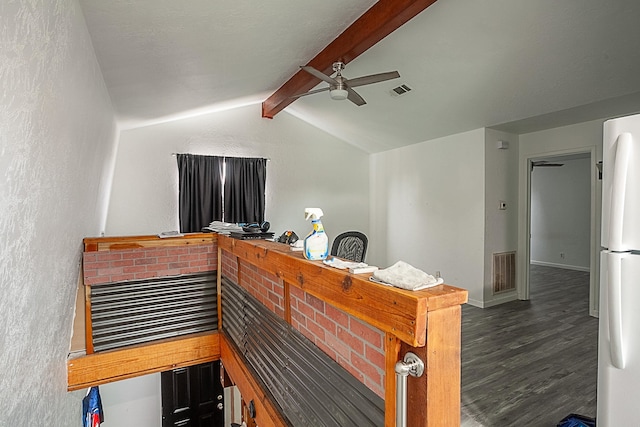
{"points": [[93, 244], [433, 400], [391, 350], [379, 21], [157, 356]]}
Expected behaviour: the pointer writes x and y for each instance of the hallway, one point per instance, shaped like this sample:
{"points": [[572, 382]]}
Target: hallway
{"points": [[531, 363]]}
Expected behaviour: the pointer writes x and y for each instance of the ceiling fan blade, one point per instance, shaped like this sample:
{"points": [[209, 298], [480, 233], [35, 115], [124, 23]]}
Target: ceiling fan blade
{"points": [[355, 98], [373, 78], [318, 74], [311, 92]]}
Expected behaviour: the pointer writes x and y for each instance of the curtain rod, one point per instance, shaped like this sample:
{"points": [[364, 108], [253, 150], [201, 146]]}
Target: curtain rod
{"points": [[224, 157]]}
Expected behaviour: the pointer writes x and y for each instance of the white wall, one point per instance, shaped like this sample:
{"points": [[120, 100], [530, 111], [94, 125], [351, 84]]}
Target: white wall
{"points": [[501, 226], [560, 214], [307, 168], [135, 402], [57, 139], [428, 208]]}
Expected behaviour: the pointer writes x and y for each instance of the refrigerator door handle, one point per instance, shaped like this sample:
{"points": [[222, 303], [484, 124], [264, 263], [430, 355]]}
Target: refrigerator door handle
{"points": [[618, 190], [614, 277]]}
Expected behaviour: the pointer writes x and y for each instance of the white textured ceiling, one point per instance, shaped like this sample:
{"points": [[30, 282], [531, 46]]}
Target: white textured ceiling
{"points": [[518, 65]]}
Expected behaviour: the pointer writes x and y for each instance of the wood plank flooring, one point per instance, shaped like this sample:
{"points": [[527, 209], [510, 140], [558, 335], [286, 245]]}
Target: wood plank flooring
{"points": [[531, 363]]}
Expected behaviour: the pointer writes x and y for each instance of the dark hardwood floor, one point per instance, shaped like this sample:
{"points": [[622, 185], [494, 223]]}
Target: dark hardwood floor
{"points": [[531, 363]]}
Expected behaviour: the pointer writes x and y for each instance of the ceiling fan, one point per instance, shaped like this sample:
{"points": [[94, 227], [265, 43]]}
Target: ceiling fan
{"points": [[341, 88], [544, 163]]}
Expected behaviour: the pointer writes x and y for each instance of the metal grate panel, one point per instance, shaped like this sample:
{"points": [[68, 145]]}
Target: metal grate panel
{"points": [[310, 388], [504, 272], [134, 312]]}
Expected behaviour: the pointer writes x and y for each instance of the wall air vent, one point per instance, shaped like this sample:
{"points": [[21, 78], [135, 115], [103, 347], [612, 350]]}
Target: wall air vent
{"points": [[400, 90]]}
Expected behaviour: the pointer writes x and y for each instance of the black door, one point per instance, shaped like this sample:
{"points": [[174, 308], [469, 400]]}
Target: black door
{"points": [[193, 397]]}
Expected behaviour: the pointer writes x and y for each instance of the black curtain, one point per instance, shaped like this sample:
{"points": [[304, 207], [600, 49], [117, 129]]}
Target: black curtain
{"points": [[200, 191], [244, 189]]}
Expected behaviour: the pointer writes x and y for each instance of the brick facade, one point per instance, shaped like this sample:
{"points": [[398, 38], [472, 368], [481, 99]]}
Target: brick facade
{"points": [[144, 263], [355, 345]]}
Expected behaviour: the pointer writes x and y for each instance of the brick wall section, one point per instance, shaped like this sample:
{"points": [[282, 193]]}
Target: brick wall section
{"points": [[356, 346], [264, 286], [229, 266], [143, 263]]}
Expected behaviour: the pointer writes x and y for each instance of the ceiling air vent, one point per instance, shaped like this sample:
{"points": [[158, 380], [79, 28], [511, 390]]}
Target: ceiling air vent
{"points": [[400, 90]]}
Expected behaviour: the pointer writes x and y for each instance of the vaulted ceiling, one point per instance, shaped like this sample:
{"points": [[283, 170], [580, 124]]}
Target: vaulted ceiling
{"points": [[517, 65]]}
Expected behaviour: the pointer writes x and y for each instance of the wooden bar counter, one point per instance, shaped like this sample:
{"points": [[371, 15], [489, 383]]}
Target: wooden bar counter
{"points": [[426, 322]]}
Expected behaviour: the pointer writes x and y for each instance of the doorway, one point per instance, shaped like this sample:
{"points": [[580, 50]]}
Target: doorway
{"points": [[560, 227], [193, 396]]}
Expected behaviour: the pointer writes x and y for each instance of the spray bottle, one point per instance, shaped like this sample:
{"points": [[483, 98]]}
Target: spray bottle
{"points": [[316, 244]]}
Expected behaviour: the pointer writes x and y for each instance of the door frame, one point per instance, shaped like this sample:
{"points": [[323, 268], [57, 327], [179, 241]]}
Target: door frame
{"points": [[524, 223]]}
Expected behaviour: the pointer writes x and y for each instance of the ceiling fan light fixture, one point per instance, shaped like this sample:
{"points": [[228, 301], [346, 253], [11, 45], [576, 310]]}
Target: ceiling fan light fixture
{"points": [[339, 94]]}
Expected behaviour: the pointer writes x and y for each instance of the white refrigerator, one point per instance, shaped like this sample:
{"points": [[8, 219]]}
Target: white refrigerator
{"points": [[619, 333]]}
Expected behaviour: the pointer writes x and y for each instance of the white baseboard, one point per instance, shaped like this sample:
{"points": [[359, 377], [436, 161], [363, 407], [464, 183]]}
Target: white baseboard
{"points": [[495, 300], [565, 266]]}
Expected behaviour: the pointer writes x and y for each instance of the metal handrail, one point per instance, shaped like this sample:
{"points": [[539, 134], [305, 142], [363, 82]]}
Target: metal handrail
{"points": [[410, 365]]}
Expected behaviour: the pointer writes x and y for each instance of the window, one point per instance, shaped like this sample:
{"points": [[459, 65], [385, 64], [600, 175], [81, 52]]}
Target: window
{"points": [[212, 188]]}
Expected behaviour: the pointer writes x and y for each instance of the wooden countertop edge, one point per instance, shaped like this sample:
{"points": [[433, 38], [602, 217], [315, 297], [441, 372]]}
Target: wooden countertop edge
{"points": [[398, 311]]}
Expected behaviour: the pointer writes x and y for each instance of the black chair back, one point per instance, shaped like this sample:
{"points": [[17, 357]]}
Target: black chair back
{"points": [[350, 245]]}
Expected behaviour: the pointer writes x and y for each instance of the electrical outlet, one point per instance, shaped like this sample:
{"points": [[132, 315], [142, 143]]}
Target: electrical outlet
{"points": [[438, 274], [562, 255]]}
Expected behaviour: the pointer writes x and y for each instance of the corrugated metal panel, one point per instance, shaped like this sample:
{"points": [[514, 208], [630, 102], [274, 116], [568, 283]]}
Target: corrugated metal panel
{"points": [[135, 312], [310, 387]]}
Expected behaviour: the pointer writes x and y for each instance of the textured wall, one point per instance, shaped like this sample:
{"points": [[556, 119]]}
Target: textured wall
{"points": [[57, 133]]}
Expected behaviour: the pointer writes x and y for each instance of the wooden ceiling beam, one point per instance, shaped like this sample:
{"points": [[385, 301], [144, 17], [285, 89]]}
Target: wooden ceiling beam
{"points": [[379, 21]]}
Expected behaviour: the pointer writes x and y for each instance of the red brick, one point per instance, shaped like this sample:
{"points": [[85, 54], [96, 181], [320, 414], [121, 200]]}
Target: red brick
{"points": [[133, 255], [97, 265], [327, 350], [366, 332], [135, 269], [375, 356], [175, 251], [338, 346], [89, 256], [366, 368], [338, 316], [276, 299], [109, 271], [157, 267], [109, 256], [353, 342], [90, 273], [188, 257], [326, 323], [177, 265], [146, 261], [199, 249], [98, 280], [122, 263], [156, 252], [296, 292], [316, 303], [316, 330], [306, 310], [304, 331], [352, 370]]}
